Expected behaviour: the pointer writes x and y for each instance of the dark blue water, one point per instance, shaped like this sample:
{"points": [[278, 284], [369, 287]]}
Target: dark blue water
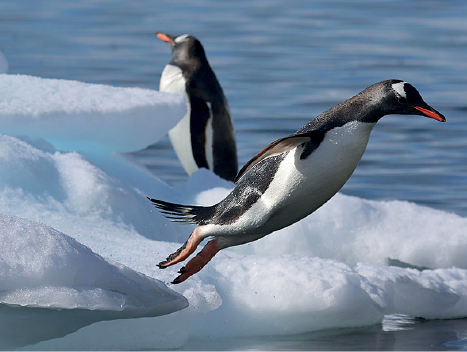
{"points": [[281, 63]]}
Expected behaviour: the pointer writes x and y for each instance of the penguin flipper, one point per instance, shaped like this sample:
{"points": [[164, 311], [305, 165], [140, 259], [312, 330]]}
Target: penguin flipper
{"points": [[278, 147]]}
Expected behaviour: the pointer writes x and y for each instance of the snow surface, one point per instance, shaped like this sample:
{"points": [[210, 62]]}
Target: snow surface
{"points": [[327, 271], [57, 110], [52, 285]]}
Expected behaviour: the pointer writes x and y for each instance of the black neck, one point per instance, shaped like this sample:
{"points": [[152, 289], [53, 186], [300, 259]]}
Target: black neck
{"points": [[358, 108]]}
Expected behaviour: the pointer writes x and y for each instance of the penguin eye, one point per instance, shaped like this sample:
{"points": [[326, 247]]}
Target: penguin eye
{"points": [[401, 100]]}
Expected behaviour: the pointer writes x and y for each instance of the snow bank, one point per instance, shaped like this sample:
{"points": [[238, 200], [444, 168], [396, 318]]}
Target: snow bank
{"points": [[327, 271], [80, 116], [279, 295], [73, 287], [65, 190], [293, 294], [3, 63], [431, 294]]}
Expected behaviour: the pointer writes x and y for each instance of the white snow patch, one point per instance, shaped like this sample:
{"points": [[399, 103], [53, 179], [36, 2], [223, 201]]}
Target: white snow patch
{"points": [[44, 273], [75, 115]]}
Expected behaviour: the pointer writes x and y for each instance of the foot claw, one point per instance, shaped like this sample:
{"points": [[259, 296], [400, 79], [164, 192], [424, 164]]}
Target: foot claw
{"points": [[182, 270], [197, 263], [177, 280]]}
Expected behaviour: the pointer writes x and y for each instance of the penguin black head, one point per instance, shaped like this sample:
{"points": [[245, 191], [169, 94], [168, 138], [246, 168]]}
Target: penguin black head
{"points": [[399, 97], [187, 51], [371, 104]]}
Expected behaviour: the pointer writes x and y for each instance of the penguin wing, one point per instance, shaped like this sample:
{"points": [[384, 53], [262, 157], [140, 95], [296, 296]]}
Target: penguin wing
{"points": [[278, 147]]}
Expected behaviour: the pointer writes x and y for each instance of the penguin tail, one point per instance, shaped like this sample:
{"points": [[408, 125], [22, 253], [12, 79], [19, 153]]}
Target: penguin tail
{"points": [[182, 213]]}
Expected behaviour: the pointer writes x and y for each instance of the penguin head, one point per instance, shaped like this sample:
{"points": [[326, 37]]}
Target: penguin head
{"points": [[187, 51], [402, 98]]}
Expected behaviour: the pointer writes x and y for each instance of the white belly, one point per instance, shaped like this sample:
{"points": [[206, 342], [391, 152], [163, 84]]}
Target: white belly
{"points": [[172, 81], [302, 186]]}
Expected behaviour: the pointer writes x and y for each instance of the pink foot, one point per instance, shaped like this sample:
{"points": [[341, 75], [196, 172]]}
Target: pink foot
{"points": [[183, 252], [198, 262]]}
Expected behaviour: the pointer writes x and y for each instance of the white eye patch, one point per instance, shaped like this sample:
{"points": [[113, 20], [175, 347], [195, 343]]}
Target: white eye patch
{"points": [[181, 38], [399, 89]]}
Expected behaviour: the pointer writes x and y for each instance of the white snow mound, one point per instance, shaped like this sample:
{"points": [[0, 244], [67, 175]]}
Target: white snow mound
{"points": [[75, 115]]}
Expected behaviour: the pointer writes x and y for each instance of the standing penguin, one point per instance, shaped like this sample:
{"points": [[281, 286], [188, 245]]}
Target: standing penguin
{"points": [[205, 137], [293, 176]]}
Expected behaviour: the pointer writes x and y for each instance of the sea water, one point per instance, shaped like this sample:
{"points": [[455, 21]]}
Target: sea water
{"points": [[281, 64]]}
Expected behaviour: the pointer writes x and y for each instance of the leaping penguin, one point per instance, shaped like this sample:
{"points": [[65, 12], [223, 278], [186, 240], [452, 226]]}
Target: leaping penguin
{"points": [[205, 137], [293, 176]]}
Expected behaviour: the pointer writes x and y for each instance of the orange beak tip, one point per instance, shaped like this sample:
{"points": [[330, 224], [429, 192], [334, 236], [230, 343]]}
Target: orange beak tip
{"points": [[430, 114], [163, 37]]}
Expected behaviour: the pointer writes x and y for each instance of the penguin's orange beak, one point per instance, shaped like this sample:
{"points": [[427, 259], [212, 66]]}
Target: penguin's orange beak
{"points": [[430, 113], [164, 37]]}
